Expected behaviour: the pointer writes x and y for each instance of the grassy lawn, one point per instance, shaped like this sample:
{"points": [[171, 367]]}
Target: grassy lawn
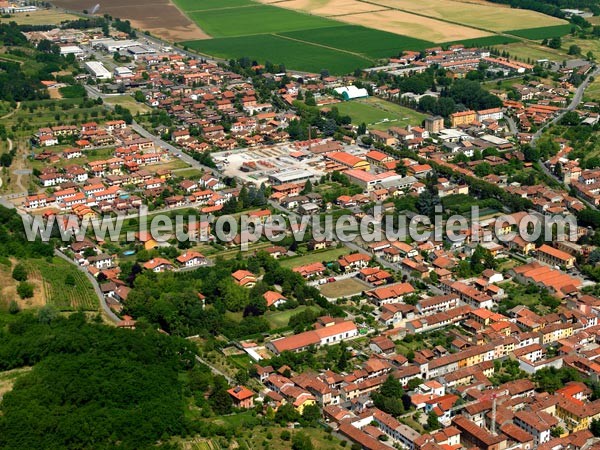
{"points": [[343, 288], [531, 51], [174, 164], [127, 101], [319, 256], [188, 173], [280, 319], [41, 17], [593, 91], [46, 113], [379, 114]]}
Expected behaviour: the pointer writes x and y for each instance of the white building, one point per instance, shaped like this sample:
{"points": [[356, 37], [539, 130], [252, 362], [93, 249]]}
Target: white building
{"points": [[98, 70], [72, 50], [123, 72], [351, 92]]}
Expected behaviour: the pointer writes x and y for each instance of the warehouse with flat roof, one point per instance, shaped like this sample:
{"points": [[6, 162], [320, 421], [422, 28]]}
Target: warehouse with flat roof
{"points": [[98, 70], [290, 176]]}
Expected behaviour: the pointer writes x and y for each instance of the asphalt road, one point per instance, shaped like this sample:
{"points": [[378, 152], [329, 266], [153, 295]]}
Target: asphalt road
{"points": [[575, 101]]}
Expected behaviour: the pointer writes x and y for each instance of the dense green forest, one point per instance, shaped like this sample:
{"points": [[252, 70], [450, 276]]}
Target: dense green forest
{"points": [[91, 386], [13, 241]]}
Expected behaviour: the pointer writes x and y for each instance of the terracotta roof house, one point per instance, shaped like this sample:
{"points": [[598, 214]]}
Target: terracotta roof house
{"points": [[242, 397], [244, 278]]}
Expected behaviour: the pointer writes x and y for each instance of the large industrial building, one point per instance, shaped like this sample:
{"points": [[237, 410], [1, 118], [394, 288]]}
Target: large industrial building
{"points": [[98, 70]]}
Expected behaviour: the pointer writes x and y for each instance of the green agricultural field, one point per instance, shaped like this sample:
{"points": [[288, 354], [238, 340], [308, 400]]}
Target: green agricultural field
{"points": [[66, 288], [203, 5], [537, 34], [256, 20], [379, 114], [278, 50], [357, 39], [485, 41]]}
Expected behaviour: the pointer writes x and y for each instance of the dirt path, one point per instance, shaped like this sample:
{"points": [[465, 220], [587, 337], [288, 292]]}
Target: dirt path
{"points": [[10, 114]]}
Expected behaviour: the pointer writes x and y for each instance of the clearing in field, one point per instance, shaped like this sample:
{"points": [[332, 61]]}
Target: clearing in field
{"points": [[259, 19], [343, 288], [127, 101], [280, 319], [366, 41], [279, 50], [40, 17], [327, 255], [537, 34], [379, 114], [408, 24], [487, 16]]}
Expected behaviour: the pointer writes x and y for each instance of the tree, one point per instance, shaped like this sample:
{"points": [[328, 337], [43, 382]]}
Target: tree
{"points": [[433, 422], [139, 96], [483, 169], [595, 427], [362, 129], [302, 441], [574, 50], [20, 272], [286, 414], [308, 187], [342, 363], [401, 169], [311, 414], [70, 280], [555, 42], [13, 307], [557, 431], [25, 290], [531, 154], [219, 399]]}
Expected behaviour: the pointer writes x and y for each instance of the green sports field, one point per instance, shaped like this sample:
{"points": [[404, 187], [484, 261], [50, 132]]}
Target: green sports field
{"points": [[379, 114], [537, 34], [294, 54]]}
